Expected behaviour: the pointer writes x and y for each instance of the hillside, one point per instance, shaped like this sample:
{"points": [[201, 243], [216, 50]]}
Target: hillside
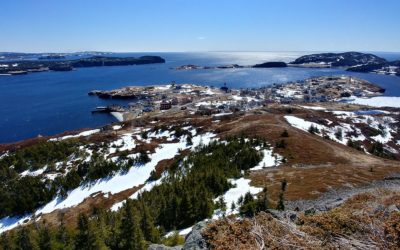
{"points": [[353, 61], [181, 168], [346, 59]]}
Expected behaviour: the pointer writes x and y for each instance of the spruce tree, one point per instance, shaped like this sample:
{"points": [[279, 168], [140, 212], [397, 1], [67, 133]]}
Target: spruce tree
{"points": [[150, 232], [82, 238], [131, 237], [45, 239], [24, 239]]}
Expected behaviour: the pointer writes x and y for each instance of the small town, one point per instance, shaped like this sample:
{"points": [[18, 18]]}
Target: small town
{"points": [[204, 100]]}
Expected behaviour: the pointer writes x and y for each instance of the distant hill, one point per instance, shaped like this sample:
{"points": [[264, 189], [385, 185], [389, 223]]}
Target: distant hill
{"points": [[354, 61], [346, 59], [395, 63]]}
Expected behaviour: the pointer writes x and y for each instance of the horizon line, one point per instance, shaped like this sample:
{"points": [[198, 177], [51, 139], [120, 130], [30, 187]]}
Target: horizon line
{"points": [[198, 51]]}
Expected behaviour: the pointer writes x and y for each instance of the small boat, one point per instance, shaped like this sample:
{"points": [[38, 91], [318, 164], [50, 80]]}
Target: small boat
{"points": [[100, 109]]}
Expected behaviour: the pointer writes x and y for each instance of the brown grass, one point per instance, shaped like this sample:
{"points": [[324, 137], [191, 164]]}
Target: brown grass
{"points": [[96, 200], [365, 218], [314, 165], [362, 222]]}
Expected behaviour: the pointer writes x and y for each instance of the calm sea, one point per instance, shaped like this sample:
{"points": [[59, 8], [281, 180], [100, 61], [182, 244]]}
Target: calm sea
{"points": [[53, 102]]}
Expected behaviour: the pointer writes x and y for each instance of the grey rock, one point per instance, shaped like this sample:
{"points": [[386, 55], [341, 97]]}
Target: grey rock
{"points": [[194, 240], [162, 247]]}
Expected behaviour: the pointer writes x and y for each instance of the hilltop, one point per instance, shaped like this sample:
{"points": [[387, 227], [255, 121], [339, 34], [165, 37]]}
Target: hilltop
{"points": [[287, 168]]}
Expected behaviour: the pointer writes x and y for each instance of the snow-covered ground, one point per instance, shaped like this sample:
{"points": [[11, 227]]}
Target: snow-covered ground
{"points": [[33, 173], [123, 181], [222, 114], [313, 107], [241, 187], [269, 160], [378, 101], [136, 175], [181, 232], [9, 223], [377, 119], [342, 129], [82, 134]]}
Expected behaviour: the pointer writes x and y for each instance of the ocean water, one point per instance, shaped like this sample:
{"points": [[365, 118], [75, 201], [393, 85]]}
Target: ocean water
{"points": [[53, 102]]}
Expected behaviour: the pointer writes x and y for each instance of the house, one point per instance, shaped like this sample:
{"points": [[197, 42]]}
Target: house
{"points": [[164, 105]]}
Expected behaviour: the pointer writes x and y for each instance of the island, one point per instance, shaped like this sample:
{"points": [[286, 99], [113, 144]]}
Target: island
{"points": [[346, 59], [271, 65], [25, 66], [233, 66], [352, 61]]}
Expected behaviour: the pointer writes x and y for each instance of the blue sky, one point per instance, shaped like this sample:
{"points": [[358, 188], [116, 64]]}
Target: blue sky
{"points": [[194, 25]]}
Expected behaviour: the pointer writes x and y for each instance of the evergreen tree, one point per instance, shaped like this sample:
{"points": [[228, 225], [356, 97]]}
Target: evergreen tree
{"points": [[131, 237], [285, 133], [281, 201], [88, 237], [281, 204], [249, 206], [45, 238], [233, 206], [82, 238], [150, 232], [6, 241], [263, 204], [25, 240]]}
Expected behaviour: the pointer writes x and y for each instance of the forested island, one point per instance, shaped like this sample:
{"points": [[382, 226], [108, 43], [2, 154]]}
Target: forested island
{"points": [[25, 66]]}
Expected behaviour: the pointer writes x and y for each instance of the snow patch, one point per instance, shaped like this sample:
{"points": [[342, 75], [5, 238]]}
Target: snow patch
{"points": [[269, 160], [378, 101], [241, 187]]}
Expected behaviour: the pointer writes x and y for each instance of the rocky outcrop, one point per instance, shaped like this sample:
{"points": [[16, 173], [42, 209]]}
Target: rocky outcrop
{"points": [[194, 240], [271, 65], [346, 59]]}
